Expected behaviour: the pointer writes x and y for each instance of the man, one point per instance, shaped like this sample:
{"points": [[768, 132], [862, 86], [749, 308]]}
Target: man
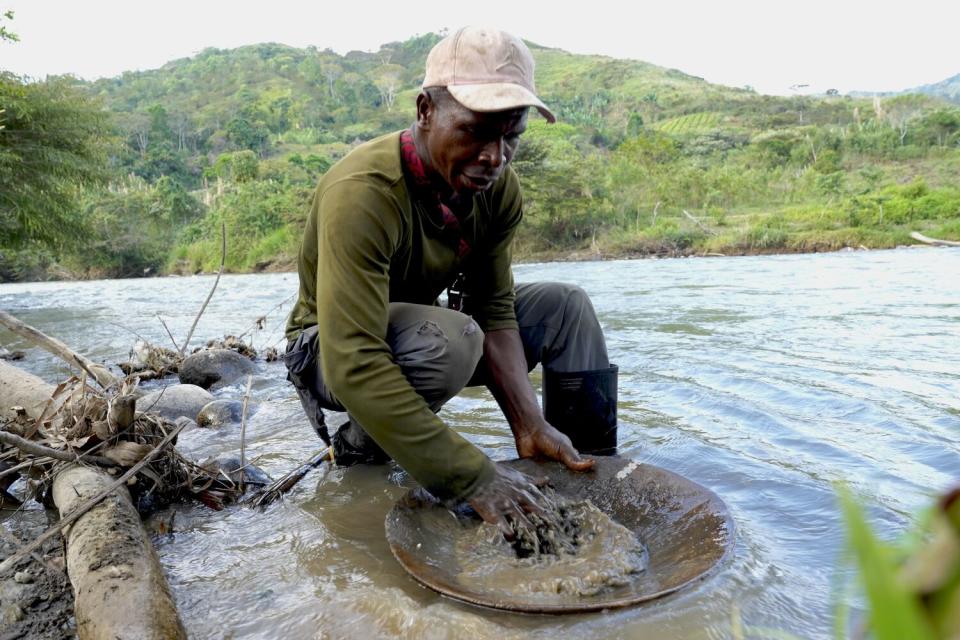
{"points": [[399, 220]]}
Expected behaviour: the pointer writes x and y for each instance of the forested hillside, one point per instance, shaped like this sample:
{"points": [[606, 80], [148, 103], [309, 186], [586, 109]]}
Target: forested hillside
{"points": [[644, 160], [948, 89]]}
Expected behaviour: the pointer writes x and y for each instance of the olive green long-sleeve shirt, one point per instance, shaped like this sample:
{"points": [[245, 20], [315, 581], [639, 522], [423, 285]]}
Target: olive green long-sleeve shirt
{"points": [[367, 244]]}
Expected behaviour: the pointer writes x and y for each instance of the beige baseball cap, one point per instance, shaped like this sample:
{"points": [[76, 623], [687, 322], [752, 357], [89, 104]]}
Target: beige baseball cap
{"points": [[485, 69]]}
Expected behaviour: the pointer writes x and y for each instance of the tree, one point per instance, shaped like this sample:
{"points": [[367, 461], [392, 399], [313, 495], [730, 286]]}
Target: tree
{"points": [[53, 142], [560, 186], [388, 80], [245, 134], [237, 166], [901, 111], [6, 34], [331, 72], [941, 125]]}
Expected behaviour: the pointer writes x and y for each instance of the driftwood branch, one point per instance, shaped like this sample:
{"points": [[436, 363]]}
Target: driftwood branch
{"points": [[167, 329], [39, 450], [696, 220], [119, 586], [257, 324], [243, 434], [916, 235], [275, 490], [74, 515], [98, 372], [17, 468], [223, 258]]}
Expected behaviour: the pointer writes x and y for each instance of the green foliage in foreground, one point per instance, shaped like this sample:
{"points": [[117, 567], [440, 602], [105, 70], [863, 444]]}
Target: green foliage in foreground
{"points": [[913, 589]]}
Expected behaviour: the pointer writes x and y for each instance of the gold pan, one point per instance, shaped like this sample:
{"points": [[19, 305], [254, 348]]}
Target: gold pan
{"points": [[685, 527]]}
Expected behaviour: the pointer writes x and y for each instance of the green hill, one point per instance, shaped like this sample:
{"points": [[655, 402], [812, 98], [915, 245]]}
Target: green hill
{"points": [[949, 89], [645, 160]]}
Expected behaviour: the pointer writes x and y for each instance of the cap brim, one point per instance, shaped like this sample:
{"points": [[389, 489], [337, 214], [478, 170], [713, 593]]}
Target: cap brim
{"points": [[498, 96]]}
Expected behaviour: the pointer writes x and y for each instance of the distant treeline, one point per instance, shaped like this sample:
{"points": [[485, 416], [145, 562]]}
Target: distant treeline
{"points": [[136, 174]]}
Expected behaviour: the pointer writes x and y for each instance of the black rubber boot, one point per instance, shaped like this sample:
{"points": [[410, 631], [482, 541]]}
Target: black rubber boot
{"points": [[583, 405], [352, 445]]}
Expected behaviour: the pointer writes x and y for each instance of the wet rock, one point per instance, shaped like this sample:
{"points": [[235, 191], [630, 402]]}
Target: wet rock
{"points": [[190, 423], [221, 412], [22, 577], [214, 368], [11, 355], [11, 614], [175, 401], [230, 466]]}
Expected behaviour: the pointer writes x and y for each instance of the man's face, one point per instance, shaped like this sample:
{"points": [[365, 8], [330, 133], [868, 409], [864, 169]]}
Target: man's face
{"points": [[469, 149]]}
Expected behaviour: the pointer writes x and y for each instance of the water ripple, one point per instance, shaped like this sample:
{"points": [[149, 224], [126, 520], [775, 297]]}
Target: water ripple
{"points": [[767, 379]]}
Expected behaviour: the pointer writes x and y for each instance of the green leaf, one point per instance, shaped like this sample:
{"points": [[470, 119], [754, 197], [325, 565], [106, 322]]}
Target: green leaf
{"points": [[894, 612]]}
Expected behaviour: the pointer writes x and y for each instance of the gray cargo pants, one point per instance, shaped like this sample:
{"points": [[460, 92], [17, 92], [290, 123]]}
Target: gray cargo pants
{"points": [[440, 350]]}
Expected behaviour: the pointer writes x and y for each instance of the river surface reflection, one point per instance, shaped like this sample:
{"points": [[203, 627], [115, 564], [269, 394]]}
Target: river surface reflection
{"points": [[767, 379]]}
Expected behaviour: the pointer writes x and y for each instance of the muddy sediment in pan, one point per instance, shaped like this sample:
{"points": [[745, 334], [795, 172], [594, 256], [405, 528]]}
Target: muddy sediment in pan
{"points": [[627, 533], [577, 550]]}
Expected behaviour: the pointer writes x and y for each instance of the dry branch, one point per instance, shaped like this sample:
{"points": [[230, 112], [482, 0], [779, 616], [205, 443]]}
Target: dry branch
{"points": [[916, 235], [697, 221], [98, 372], [275, 490], [36, 449], [223, 258], [75, 514], [243, 433], [258, 323], [109, 557], [167, 329]]}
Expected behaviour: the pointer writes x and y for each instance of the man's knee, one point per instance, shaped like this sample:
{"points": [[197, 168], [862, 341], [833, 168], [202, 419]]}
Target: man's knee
{"points": [[553, 298], [436, 348], [559, 327], [574, 297], [469, 342]]}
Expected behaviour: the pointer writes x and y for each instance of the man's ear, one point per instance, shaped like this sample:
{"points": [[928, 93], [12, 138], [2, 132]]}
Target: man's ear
{"points": [[425, 110]]}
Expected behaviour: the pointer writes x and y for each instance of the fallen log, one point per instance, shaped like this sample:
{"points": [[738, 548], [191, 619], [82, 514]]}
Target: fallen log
{"points": [[119, 587], [916, 235], [21, 389]]}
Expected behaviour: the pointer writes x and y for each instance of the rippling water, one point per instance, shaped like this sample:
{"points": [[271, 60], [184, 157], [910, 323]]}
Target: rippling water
{"points": [[767, 379]]}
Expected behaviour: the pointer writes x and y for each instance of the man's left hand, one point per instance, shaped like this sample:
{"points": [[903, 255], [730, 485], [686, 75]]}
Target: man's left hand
{"points": [[546, 442]]}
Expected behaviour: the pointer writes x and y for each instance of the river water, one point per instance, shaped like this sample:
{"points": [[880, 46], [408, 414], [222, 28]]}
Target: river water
{"points": [[766, 379]]}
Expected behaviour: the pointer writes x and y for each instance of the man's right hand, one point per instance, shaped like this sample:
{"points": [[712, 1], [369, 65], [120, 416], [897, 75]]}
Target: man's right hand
{"points": [[508, 499]]}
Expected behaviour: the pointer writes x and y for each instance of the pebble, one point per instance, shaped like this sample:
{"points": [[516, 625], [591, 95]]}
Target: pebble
{"points": [[14, 613], [22, 577]]}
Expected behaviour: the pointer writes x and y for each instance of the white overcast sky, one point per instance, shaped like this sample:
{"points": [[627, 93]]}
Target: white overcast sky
{"points": [[772, 45]]}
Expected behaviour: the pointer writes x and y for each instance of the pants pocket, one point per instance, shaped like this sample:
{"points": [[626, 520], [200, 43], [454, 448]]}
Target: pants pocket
{"points": [[301, 354]]}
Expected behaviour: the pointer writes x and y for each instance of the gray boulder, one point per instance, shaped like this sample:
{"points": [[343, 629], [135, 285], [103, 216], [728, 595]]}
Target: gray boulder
{"points": [[214, 368], [230, 465], [175, 401], [221, 412]]}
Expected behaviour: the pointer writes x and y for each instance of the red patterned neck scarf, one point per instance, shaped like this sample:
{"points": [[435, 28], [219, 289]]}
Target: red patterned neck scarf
{"points": [[429, 195]]}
